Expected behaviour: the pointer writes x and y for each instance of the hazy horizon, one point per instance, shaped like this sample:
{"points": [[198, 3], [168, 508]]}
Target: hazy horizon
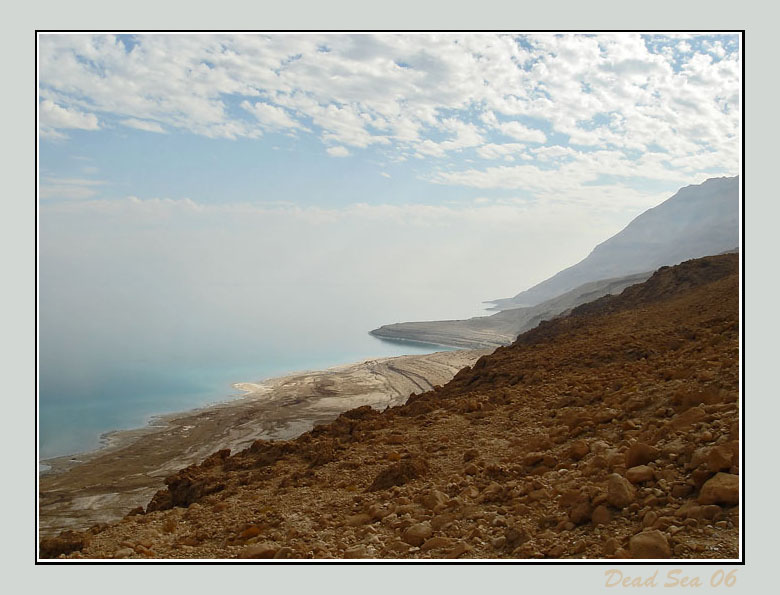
{"points": [[212, 205]]}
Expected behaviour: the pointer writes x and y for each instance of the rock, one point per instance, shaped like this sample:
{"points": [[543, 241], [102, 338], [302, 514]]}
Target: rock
{"points": [[581, 513], [516, 537], [64, 543], [125, 552], [417, 534], [492, 493], [356, 552], [499, 542], [639, 474], [714, 458], [358, 519], [399, 474], [435, 543], [283, 553], [578, 449], [611, 546], [640, 454], [259, 550], [620, 493], [721, 489], [688, 418], [471, 469], [470, 455], [442, 521], [434, 499], [378, 512], [533, 458], [601, 515], [250, 532], [649, 545], [459, 549]]}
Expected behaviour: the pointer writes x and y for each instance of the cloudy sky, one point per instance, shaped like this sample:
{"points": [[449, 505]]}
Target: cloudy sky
{"points": [[218, 200], [508, 156], [334, 120]]}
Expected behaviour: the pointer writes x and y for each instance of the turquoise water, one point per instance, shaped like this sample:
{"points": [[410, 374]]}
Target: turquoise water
{"points": [[122, 395], [149, 308]]}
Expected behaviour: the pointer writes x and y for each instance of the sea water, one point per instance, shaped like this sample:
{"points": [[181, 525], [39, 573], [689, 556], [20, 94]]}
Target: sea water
{"points": [[155, 306], [106, 394]]}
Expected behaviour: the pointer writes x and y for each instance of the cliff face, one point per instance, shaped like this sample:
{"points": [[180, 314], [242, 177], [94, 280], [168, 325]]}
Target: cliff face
{"points": [[698, 220], [609, 433]]}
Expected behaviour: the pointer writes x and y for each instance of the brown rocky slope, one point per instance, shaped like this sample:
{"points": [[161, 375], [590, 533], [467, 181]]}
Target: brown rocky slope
{"points": [[610, 433]]}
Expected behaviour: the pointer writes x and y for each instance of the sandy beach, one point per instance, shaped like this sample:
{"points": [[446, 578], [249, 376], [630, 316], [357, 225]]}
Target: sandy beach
{"points": [[102, 486]]}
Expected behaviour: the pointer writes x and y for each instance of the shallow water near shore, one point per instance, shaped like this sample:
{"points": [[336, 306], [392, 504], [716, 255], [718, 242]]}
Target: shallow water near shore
{"points": [[130, 394]]}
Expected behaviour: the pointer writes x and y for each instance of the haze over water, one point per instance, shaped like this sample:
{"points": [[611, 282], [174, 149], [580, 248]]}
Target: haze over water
{"points": [[224, 208], [143, 313]]}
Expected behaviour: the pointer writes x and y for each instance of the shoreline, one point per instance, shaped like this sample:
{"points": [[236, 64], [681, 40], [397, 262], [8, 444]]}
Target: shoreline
{"points": [[102, 485]]}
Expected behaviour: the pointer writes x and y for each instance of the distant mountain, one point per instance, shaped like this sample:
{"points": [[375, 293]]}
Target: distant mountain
{"points": [[699, 220], [502, 328]]}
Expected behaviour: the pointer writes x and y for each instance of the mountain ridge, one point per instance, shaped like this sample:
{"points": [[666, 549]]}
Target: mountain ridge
{"points": [[698, 220]]}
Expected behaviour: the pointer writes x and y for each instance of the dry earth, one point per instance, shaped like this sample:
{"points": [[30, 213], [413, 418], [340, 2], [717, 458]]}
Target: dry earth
{"points": [[103, 486], [610, 433]]}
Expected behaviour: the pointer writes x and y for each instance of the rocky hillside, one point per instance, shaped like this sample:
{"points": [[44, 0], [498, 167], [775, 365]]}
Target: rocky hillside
{"points": [[609, 433], [698, 220], [503, 327]]}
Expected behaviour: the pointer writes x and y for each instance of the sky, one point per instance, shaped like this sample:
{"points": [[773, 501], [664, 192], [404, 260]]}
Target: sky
{"points": [[330, 121], [218, 200], [542, 145]]}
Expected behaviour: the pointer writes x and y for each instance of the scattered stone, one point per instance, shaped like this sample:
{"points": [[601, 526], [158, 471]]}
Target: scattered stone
{"points": [[399, 474], [357, 552], [356, 520], [578, 449], [601, 515], [259, 551], [611, 546], [250, 532], [620, 493], [417, 534], [435, 543], [459, 549], [649, 545], [125, 552], [721, 489], [640, 474], [640, 454], [434, 499]]}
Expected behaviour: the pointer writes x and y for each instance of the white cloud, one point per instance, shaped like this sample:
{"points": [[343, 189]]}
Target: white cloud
{"points": [[384, 174], [522, 133], [608, 92], [143, 125], [52, 116], [270, 115], [68, 188], [501, 151], [337, 151]]}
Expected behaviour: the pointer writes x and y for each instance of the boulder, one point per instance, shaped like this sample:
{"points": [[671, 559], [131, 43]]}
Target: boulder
{"points": [[639, 474], [649, 545], [399, 474], [601, 515], [721, 489], [417, 534], [640, 454], [620, 493], [259, 551], [435, 543]]}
